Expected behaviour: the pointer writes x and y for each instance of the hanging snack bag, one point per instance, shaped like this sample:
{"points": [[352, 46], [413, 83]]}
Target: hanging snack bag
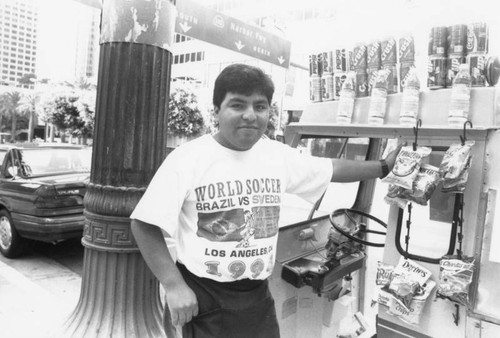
{"points": [[408, 279], [404, 287], [382, 281], [458, 184], [424, 185], [382, 295], [391, 145], [455, 276], [455, 160], [413, 312], [384, 273], [396, 195], [407, 166]]}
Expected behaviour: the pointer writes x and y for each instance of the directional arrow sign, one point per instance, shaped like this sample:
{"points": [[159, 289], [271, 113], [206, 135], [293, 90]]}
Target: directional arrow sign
{"points": [[184, 27], [239, 45], [204, 24]]}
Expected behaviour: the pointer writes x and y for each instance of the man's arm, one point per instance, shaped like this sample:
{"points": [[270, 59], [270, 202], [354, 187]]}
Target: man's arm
{"points": [[353, 171], [181, 300]]}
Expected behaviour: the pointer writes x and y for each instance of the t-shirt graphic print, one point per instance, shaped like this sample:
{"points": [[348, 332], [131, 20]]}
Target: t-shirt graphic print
{"points": [[239, 219], [239, 225]]}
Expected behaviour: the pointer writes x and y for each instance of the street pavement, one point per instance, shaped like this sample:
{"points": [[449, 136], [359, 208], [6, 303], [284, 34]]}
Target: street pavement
{"points": [[36, 296]]}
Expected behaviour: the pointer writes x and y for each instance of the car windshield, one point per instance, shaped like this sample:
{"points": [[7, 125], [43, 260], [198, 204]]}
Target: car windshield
{"points": [[43, 161]]}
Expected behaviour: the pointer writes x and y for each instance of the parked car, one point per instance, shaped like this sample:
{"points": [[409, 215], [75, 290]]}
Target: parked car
{"points": [[41, 194]]}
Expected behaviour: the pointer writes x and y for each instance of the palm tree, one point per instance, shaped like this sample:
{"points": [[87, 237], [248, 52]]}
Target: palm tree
{"points": [[11, 107], [2, 109], [28, 106], [82, 83]]}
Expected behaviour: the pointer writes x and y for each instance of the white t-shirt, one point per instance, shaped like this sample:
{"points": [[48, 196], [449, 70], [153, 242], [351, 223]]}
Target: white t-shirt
{"points": [[222, 206]]}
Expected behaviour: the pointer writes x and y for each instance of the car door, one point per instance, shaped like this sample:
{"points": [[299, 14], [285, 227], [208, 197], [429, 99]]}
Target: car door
{"points": [[9, 163], [14, 194], [3, 160]]}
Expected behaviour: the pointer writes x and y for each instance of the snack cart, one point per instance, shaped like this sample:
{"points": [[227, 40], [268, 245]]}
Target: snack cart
{"points": [[467, 222]]}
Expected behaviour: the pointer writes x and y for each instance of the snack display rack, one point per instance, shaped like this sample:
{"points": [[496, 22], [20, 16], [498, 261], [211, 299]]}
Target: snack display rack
{"points": [[481, 230]]}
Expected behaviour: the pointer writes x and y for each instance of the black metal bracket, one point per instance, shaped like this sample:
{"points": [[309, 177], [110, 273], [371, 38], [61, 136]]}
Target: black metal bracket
{"points": [[453, 235]]}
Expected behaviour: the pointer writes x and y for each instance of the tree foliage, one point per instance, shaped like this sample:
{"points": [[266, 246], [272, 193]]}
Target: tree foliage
{"points": [[27, 80], [28, 107], [86, 107], [184, 116], [63, 113], [9, 109], [71, 112], [272, 123]]}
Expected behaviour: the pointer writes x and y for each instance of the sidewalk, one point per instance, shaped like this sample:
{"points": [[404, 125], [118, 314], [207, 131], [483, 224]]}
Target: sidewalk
{"points": [[32, 306]]}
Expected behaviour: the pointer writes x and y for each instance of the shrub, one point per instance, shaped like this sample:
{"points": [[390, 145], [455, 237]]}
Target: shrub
{"points": [[184, 116]]}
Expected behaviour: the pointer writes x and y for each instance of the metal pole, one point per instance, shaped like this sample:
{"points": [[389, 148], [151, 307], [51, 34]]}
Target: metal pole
{"points": [[119, 294]]}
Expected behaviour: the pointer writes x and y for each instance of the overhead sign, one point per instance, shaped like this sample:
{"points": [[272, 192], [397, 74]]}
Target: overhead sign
{"points": [[204, 24]]}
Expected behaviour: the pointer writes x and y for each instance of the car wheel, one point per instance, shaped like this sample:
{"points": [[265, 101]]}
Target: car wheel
{"points": [[11, 244]]}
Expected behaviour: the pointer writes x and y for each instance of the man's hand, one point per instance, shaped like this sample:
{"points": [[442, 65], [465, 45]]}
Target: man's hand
{"points": [[182, 304], [181, 300]]}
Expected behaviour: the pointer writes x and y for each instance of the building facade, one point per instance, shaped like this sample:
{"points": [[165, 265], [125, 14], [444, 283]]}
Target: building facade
{"points": [[18, 40], [68, 44]]}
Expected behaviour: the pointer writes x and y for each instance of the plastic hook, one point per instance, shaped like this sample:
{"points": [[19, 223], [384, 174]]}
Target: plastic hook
{"points": [[463, 137], [415, 131]]}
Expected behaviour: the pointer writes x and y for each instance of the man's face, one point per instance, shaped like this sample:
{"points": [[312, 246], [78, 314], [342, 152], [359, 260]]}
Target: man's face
{"points": [[242, 120]]}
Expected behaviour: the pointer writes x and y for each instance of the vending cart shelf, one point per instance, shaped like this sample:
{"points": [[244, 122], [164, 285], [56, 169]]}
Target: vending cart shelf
{"points": [[320, 118]]}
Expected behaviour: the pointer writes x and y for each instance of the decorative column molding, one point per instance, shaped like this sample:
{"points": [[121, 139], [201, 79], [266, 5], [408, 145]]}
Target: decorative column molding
{"points": [[119, 294]]}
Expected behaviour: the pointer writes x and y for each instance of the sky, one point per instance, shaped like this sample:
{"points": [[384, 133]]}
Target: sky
{"points": [[58, 27]]}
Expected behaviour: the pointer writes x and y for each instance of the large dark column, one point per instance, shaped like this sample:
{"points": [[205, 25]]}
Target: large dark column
{"points": [[119, 294]]}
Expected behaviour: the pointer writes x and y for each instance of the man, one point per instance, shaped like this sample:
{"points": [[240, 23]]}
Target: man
{"points": [[218, 197]]}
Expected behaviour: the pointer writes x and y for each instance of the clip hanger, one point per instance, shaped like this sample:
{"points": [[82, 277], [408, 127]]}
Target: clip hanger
{"points": [[463, 137], [456, 315], [415, 131]]}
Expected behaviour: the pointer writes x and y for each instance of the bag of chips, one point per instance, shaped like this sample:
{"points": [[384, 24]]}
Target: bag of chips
{"points": [[384, 273], [412, 313], [391, 145], [395, 195], [404, 288], [457, 185], [454, 160], [381, 294], [424, 185], [455, 276], [408, 278], [407, 166]]}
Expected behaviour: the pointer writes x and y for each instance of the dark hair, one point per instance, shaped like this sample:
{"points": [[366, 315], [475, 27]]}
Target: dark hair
{"points": [[242, 79]]}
